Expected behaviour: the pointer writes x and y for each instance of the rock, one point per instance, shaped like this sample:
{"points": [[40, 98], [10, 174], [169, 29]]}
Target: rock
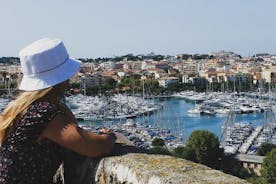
{"points": [[138, 168]]}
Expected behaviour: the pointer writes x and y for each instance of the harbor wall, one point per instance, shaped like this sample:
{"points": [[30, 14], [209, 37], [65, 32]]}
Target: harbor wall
{"points": [[128, 164]]}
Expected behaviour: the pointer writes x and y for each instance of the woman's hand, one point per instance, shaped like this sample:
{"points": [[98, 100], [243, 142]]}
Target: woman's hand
{"points": [[105, 131], [108, 133]]}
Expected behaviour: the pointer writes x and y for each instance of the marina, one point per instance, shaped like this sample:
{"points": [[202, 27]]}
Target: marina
{"points": [[245, 133], [110, 108], [174, 118], [221, 103]]}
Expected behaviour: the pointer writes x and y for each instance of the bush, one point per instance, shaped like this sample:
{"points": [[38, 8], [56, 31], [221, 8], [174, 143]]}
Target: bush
{"points": [[158, 142], [203, 147], [178, 152], [160, 150], [189, 154], [265, 148], [232, 166], [268, 170], [256, 180]]}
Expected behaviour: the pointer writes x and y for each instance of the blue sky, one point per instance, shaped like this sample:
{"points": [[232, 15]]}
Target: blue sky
{"points": [[104, 28]]}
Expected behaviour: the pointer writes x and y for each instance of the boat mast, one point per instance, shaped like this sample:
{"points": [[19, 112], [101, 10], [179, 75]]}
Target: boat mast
{"points": [[269, 94], [84, 87], [226, 128], [143, 82]]}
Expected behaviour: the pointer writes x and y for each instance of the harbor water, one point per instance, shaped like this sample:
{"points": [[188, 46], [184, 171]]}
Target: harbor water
{"points": [[174, 117]]}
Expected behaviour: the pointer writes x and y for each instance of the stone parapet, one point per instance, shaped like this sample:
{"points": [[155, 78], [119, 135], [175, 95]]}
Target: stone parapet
{"points": [[138, 168], [131, 165]]}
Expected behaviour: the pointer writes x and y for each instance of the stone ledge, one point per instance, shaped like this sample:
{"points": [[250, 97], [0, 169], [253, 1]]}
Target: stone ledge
{"points": [[131, 165], [137, 168]]}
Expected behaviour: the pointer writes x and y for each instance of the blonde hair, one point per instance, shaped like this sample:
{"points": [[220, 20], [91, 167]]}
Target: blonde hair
{"points": [[22, 102]]}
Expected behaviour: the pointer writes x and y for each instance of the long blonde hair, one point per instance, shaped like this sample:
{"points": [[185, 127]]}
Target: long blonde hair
{"points": [[22, 102]]}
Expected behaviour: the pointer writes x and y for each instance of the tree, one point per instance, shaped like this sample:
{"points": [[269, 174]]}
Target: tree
{"points": [[268, 170], [203, 147], [256, 180], [75, 85], [265, 148], [132, 81], [158, 142], [151, 86], [159, 147], [174, 87], [189, 154], [184, 152], [92, 90], [232, 166], [160, 150], [186, 56], [178, 152], [108, 84]]}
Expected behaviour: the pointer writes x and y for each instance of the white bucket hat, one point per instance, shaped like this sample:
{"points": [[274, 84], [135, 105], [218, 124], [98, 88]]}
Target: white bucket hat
{"points": [[46, 63]]}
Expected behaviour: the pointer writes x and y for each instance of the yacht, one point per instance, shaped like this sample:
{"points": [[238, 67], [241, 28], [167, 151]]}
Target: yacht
{"points": [[195, 110]]}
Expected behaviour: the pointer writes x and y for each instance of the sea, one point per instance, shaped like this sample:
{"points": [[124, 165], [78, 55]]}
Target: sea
{"points": [[174, 117]]}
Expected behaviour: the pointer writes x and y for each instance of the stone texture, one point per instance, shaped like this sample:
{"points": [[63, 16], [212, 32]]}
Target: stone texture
{"points": [[80, 169], [137, 168]]}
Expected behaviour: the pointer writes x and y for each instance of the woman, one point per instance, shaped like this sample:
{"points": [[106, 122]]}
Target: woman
{"points": [[37, 128]]}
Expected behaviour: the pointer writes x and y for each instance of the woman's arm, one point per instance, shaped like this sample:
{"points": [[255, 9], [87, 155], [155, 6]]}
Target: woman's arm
{"points": [[65, 132]]}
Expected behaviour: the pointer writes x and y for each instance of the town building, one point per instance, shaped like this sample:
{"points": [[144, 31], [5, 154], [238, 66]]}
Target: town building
{"points": [[165, 81]]}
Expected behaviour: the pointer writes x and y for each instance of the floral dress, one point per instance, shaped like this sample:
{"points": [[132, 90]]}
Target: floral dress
{"points": [[22, 158]]}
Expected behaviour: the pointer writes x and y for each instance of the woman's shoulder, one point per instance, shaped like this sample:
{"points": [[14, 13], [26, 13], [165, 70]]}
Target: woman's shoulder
{"points": [[43, 105], [45, 108], [41, 111]]}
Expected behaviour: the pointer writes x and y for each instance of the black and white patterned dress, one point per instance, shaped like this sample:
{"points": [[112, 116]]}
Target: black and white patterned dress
{"points": [[22, 158]]}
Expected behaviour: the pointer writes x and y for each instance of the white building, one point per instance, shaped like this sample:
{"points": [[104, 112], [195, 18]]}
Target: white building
{"points": [[109, 65], [165, 81]]}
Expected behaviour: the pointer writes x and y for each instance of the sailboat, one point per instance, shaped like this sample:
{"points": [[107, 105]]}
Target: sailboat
{"points": [[234, 134]]}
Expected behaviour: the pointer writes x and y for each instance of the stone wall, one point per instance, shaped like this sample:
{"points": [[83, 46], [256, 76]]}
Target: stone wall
{"points": [[131, 165], [157, 169]]}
